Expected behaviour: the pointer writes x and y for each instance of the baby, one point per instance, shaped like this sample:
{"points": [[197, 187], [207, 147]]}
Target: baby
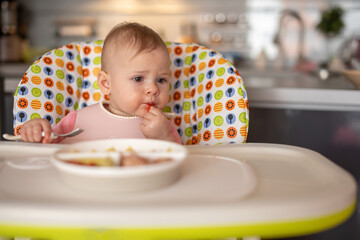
{"points": [[135, 75]]}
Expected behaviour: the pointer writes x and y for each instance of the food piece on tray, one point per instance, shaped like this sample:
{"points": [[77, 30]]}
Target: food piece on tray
{"points": [[110, 149], [101, 162], [133, 160]]}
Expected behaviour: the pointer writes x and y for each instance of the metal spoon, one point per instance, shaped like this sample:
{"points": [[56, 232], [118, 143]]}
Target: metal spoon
{"points": [[53, 135]]}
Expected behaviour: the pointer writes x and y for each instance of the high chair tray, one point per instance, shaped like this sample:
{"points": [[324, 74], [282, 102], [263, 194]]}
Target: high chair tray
{"points": [[267, 190], [202, 181]]}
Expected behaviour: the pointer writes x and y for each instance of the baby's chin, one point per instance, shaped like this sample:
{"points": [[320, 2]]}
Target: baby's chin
{"points": [[140, 112], [119, 112]]}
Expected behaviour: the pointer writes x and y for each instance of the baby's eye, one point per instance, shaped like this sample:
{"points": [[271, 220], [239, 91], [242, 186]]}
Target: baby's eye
{"points": [[161, 80], [138, 79]]}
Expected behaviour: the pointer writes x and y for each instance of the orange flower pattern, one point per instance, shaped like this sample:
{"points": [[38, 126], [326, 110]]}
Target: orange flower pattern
{"points": [[206, 82]]}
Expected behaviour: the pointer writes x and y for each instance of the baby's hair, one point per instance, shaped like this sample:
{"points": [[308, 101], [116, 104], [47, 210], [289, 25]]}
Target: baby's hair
{"points": [[130, 35]]}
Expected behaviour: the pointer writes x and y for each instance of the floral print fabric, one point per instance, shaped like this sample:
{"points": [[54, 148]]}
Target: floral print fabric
{"points": [[207, 93]]}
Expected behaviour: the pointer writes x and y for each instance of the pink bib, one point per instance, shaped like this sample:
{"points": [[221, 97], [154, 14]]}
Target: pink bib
{"points": [[98, 123]]}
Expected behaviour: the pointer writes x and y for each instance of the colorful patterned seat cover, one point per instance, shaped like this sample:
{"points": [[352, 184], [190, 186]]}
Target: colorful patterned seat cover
{"points": [[207, 93]]}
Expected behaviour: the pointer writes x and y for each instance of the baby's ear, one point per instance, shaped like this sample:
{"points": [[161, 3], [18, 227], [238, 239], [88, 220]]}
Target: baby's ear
{"points": [[103, 80]]}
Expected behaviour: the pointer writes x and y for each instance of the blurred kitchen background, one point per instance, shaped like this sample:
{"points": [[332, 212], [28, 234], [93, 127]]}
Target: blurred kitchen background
{"points": [[290, 53]]}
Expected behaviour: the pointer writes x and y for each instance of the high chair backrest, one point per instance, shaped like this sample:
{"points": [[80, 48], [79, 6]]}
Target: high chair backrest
{"points": [[207, 93]]}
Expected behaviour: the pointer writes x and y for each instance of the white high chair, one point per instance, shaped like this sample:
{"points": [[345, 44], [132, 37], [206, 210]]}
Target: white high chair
{"points": [[207, 93]]}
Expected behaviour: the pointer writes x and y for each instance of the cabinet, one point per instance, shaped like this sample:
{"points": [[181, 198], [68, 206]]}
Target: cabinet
{"points": [[301, 110], [334, 134], [10, 76]]}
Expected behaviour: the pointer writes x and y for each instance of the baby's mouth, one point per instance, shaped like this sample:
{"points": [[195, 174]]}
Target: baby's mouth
{"points": [[149, 105]]}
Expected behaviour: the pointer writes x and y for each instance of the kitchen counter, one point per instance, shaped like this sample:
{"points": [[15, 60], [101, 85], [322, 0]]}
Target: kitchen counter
{"points": [[10, 75], [13, 69], [293, 90]]}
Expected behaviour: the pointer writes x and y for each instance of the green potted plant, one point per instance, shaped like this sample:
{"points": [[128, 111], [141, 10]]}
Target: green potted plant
{"points": [[331, 23]]}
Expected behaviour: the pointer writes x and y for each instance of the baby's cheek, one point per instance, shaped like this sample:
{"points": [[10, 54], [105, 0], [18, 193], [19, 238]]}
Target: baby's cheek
{"points": [[164, 101]]}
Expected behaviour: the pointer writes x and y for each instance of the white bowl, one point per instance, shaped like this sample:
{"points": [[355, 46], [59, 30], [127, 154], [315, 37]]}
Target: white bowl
{"points": [[353, 76], [117, 178]]}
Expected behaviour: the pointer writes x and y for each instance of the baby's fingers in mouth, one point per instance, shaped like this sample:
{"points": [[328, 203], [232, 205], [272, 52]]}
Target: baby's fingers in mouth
{"points": [[149, 105]]}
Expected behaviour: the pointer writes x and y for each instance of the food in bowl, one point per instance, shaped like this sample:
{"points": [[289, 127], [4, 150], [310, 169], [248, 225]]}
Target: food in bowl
{"points": [[106, 161], [125, 160], [112, 157], [135, 160], [120, 165]]}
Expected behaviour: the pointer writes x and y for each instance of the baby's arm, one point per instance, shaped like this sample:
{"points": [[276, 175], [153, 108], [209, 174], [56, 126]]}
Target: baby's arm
{"points": [[31, 131], [175, 133], [155, 125], [66, 125]]}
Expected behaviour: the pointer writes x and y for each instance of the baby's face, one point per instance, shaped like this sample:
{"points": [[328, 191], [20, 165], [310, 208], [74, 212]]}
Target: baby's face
{"points": [[139, 81]]}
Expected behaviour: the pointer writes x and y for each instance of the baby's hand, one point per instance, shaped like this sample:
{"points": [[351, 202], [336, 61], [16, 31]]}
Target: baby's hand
{"points": [[156, 126], [32, 130]]}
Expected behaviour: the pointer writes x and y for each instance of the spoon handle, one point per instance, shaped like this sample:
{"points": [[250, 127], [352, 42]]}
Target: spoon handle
{"points": [[18, 137], [169, 114], [11, 137]]}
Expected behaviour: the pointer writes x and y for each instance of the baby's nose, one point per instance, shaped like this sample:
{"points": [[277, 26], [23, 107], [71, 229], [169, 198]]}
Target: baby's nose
{"points": [[152, 89]]}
